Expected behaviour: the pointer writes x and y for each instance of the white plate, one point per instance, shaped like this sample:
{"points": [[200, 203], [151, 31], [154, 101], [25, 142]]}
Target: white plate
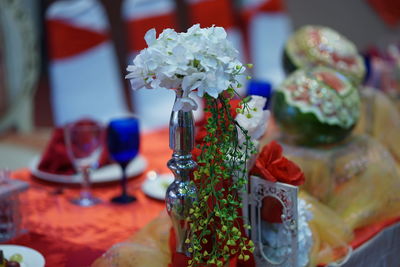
{"points": [[30, 257], [108, 173], [156, 187]]}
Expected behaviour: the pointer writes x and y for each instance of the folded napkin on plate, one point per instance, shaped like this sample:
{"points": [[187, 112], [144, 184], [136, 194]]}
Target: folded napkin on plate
{"points": [[55, 158]]}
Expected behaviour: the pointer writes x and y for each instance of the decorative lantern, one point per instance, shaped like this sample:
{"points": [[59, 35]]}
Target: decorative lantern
{"points": [[276, 244]]}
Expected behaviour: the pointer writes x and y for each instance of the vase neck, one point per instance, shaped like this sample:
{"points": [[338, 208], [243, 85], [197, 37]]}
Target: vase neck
{"points": [[181, 131], [181, 141]]}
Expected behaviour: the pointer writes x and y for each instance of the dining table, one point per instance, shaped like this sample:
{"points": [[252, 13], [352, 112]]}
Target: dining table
{"points": [[75, 236]]}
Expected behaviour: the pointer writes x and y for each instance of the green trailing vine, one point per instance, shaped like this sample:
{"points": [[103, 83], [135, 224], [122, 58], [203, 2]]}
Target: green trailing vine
{"points": [[215, 221]]}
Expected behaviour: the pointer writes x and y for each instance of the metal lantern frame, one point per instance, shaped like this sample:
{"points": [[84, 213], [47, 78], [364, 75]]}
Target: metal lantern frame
{"points": [[287, 196]]}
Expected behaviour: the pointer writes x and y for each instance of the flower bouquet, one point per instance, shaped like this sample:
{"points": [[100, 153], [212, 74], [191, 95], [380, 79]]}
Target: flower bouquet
{"points": [[204, 201]]}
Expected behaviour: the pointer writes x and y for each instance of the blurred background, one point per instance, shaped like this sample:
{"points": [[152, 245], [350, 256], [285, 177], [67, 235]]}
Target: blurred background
{"points": [[64, 59]]}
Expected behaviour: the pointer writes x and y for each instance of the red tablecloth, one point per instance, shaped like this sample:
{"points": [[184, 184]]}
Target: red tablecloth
{"points": [[68, 235], [72, 236]]}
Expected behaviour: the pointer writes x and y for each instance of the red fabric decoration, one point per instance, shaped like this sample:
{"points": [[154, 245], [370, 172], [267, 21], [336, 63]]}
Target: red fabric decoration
{"points": [[207, 13], [201, 132], [215, 12], [267, 6], [271, 210], [177, 259], [389, 10], [180, 260], [137, 28], [55, 158], [66, 40]]}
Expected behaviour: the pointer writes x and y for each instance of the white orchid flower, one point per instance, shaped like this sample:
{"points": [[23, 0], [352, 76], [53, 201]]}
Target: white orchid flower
{"points": [[201, 58], [185, 104], [254, 120]]}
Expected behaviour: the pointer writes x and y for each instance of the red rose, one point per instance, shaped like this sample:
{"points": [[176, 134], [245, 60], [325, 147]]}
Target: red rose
{"points": [[286, 171], [274, 167]]}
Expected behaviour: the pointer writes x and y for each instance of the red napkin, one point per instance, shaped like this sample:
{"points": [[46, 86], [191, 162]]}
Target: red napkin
{"points": [[55, 158]]}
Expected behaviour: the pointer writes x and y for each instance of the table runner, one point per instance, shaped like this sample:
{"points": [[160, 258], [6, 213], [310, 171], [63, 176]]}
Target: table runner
{"points": [[68, 235]]}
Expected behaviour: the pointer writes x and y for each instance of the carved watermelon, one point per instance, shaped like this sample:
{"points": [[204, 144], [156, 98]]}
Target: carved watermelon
{"points": [[316, 106], [312, 46]]}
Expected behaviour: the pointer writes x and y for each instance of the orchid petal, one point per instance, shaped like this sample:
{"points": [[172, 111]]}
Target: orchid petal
{"points": [[150, 37], [185, 104]]}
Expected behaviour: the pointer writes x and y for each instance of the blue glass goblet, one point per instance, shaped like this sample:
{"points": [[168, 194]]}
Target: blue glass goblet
{"points": [[261, 88], [123, 146]]}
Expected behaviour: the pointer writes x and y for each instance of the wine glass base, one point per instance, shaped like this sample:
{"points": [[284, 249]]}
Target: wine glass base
{"points": [[86, 201], [123, 199]]}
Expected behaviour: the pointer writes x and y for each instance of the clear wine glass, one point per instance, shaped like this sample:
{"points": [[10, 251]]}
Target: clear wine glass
{"points": [[84, 140], [123, 146]]}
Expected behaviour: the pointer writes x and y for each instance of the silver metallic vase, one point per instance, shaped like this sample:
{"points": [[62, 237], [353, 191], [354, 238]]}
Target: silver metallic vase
{"points": [[181, 194]]}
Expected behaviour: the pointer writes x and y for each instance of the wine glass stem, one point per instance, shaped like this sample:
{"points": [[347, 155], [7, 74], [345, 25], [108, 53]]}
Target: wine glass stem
{"points": [[86, 182]]}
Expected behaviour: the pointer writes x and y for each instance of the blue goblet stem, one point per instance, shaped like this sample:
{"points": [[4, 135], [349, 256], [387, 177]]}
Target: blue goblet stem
{"points": [[124, 198], [123, 180]]}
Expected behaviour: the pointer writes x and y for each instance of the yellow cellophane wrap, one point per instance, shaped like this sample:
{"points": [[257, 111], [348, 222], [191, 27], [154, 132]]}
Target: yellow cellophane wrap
{"points": [[148, 247], [358, 179], [380, 118], [331, 235]]}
